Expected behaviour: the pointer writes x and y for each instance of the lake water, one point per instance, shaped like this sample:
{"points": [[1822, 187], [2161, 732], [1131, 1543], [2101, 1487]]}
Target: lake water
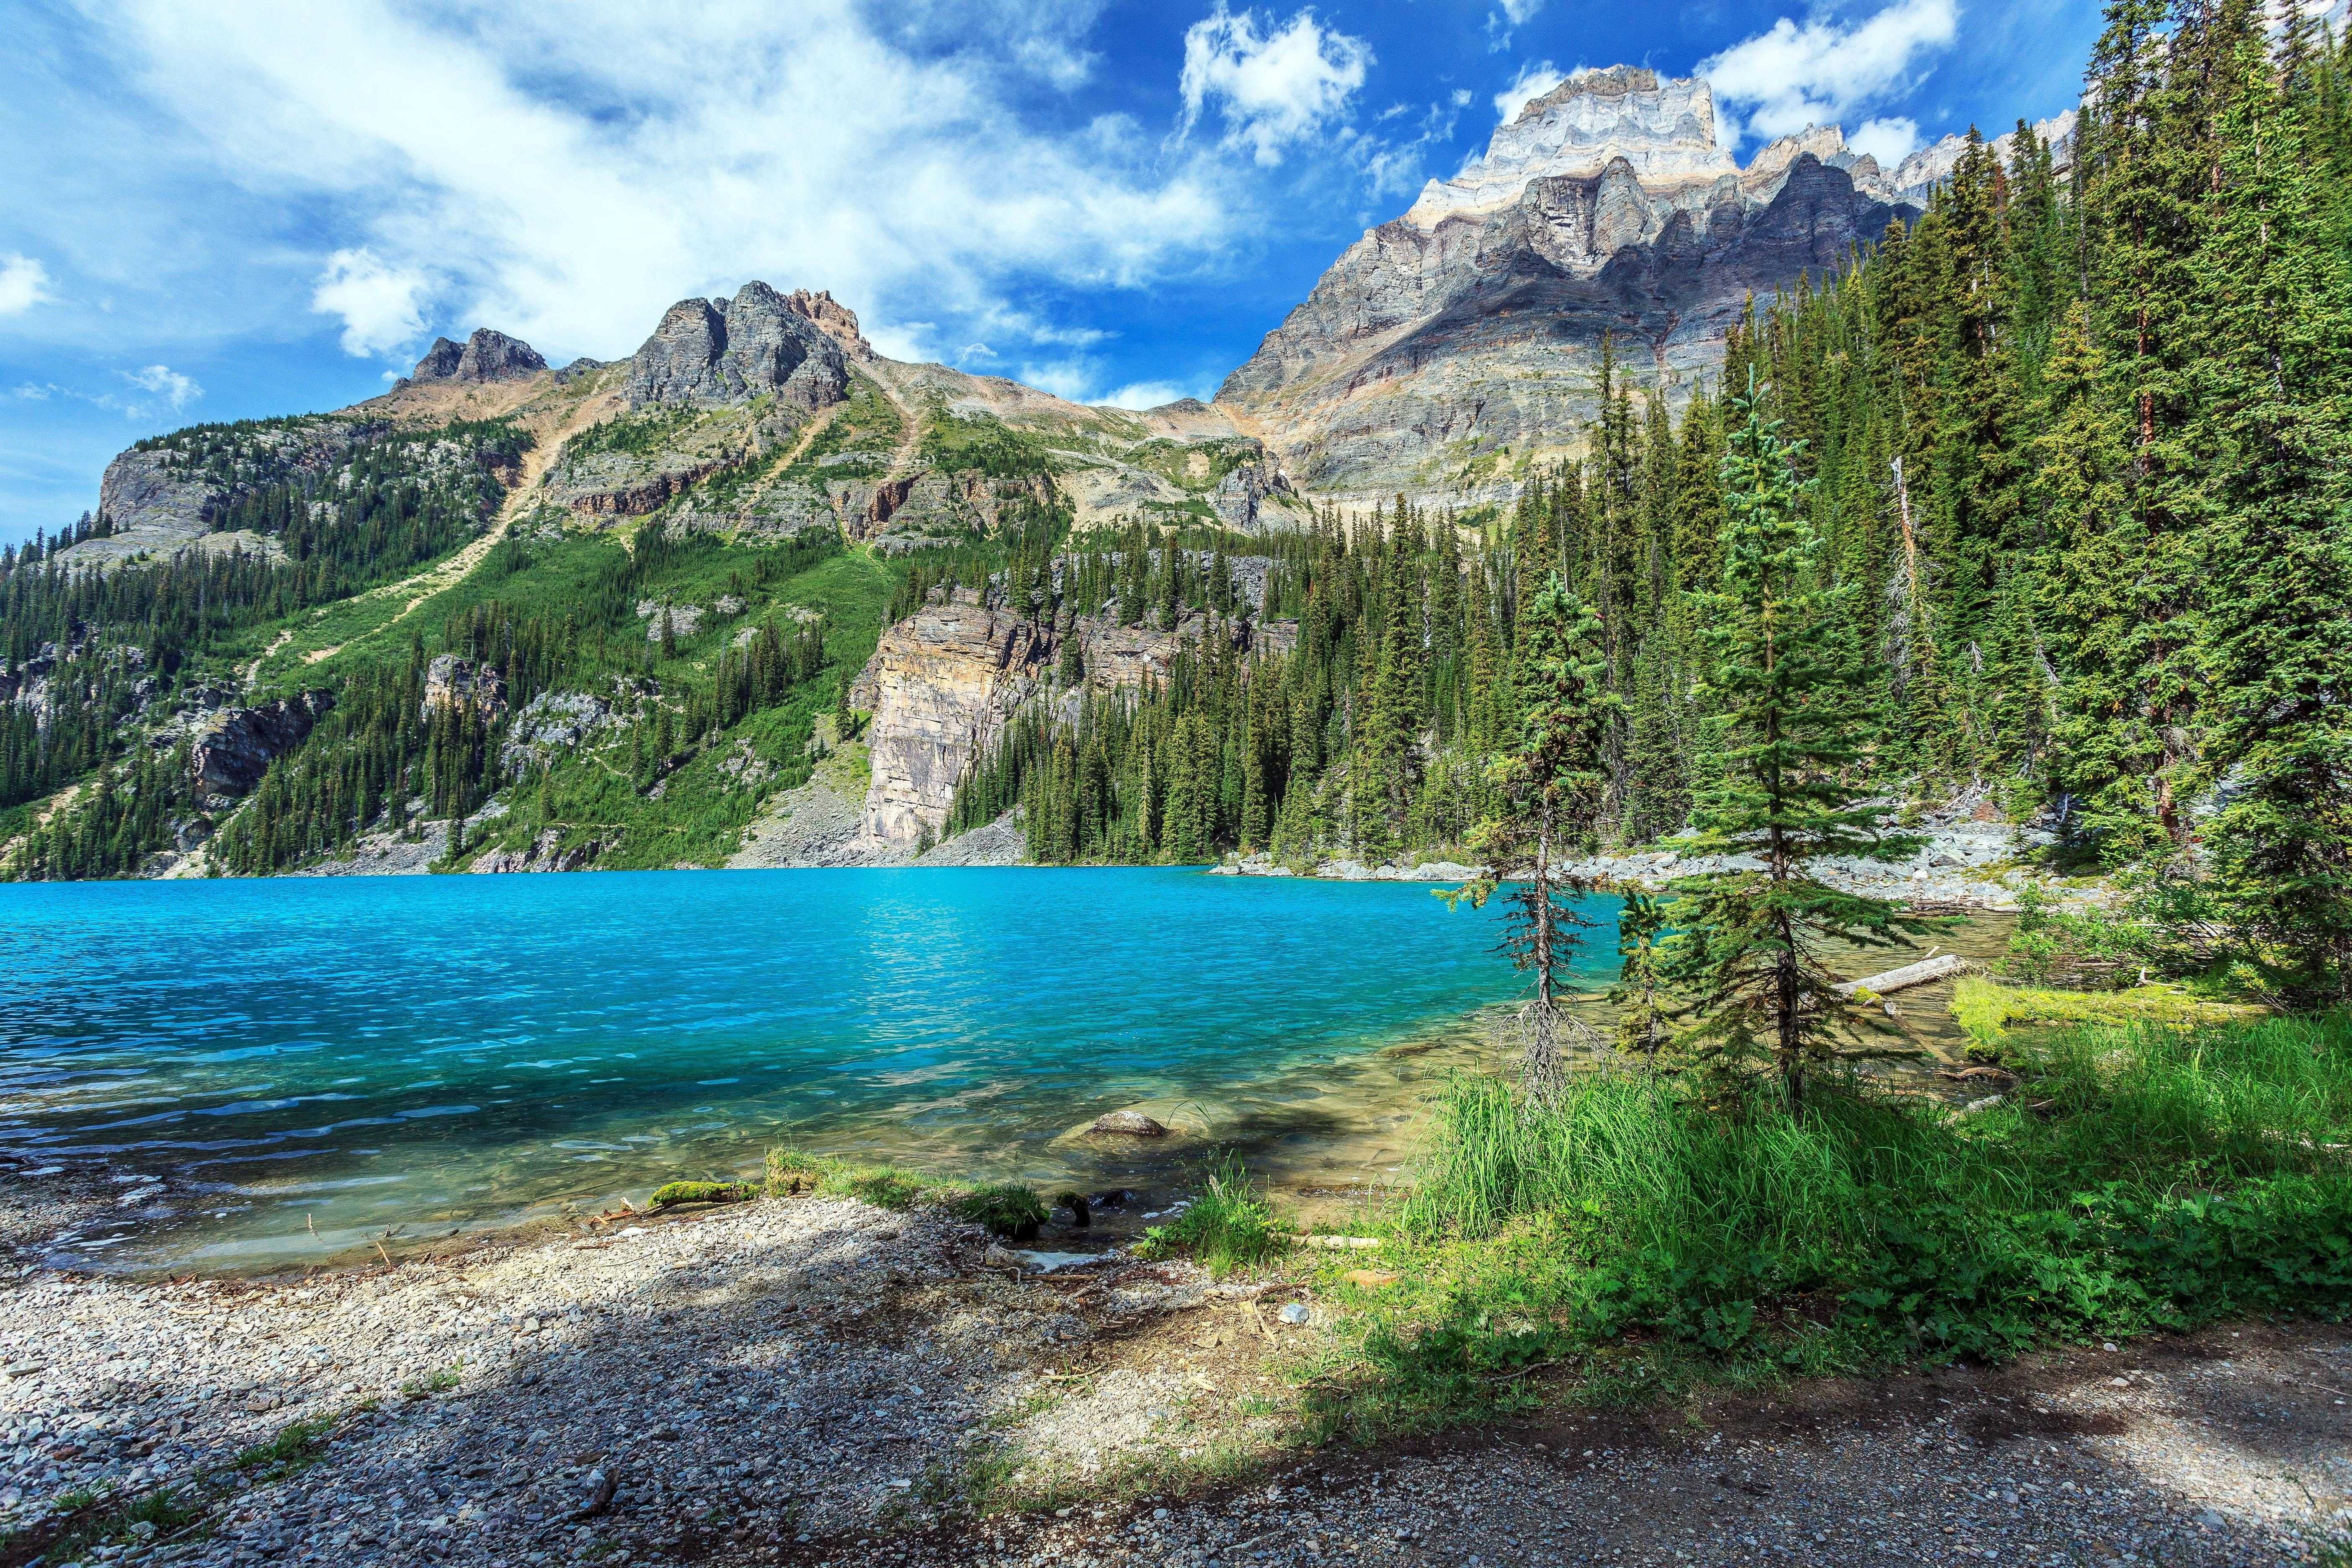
{"points": [[309, 1064]]}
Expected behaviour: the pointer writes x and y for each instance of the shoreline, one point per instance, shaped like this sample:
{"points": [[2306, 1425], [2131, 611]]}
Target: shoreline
{"points": [[813, 1381]]}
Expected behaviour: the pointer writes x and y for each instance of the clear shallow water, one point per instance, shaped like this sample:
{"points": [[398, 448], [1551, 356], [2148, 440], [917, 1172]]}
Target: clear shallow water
{"points": [[344, 1056]]}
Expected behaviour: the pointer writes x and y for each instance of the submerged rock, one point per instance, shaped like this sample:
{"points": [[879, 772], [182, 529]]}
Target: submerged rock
{"points": [[1128, 1123]]}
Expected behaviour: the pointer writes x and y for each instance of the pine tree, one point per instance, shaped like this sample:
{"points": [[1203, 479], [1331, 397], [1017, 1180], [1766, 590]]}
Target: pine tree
{"points": [[1789, 713], [2274, 432]]}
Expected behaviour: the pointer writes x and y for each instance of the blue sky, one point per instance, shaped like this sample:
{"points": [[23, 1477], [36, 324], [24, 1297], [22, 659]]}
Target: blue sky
{"points": [[219, 209]]}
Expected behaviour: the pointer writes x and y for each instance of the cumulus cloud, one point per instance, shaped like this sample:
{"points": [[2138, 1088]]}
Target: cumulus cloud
{"points": [[174, 388], [1532, 82], [1889, 139], [1824, 70], [565, 172], [383, 306], [1275, 85], [24, 283]]}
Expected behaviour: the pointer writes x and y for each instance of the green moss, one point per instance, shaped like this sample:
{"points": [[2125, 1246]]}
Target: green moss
{"points": [[1985, 1008], [704, 1193]]}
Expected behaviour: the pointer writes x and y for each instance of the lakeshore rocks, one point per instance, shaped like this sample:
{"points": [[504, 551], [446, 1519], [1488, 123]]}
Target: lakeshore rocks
{"points": [[1127, 1124]]}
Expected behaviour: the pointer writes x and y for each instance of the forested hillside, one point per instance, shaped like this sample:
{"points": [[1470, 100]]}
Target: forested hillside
{"points": [[2070, 451], [2074, 455]]}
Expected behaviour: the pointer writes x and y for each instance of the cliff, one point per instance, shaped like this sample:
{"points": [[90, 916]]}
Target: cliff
{"points": [[942, 683]]}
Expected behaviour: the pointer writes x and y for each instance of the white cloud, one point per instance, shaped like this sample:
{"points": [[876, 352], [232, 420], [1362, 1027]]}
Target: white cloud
{"points": [[1275, 87], [177, 390], [564, 173], [1148, 394], [1070, 380], [1889, 139], [1532, 82], [1820, 71], [1511, 15], [382, 305], [24, 283]]}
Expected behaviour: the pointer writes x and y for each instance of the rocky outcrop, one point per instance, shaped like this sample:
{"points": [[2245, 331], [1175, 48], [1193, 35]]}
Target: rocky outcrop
{"points": [[545, 853], [716, 352], [829, 316], [233, 747], [549, 723], [487, 356], [1448, 347], [940, 685], [452, 683], [943, 681]]}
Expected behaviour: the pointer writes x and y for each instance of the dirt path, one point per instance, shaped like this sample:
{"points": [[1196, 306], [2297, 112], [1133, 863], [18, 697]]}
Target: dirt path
{"points": [[446, 573], [253, 671], [2228, 1447]]}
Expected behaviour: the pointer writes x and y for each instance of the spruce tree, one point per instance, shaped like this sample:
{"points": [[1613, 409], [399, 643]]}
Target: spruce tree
{"points": [[1788, 715], [2274, 434], [1551, 783]]}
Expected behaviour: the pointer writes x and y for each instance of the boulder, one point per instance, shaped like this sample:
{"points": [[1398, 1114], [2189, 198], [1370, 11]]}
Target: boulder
{"points": [[1128, 1124]]}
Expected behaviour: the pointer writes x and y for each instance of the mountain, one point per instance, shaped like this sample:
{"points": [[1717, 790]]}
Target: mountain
{"points": [[663, 563], [1450, 348]]}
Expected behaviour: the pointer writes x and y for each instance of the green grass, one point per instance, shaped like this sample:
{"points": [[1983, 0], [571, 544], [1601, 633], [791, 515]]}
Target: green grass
{"points": [[298, 1446], [2142, 1177], [1231, 1226], [1007, 1209]]}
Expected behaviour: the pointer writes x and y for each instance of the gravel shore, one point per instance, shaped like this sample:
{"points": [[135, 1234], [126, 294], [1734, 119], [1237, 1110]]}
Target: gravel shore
{"points": [[814, 1380]]}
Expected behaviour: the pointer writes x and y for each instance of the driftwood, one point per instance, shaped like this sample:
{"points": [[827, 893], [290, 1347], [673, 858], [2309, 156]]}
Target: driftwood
{"points": [[1925, 971]]}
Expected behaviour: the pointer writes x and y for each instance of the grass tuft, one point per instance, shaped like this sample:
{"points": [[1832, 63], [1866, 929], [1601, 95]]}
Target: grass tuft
{"points": [[1007, 1209], [2143, 1177], [1230, 1225]]}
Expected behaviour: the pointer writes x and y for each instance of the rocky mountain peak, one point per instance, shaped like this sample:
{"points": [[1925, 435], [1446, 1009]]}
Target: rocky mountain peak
{"points": [[1663, 128], [486, 356], [1931, 165], [713, 352], [830, 317]]}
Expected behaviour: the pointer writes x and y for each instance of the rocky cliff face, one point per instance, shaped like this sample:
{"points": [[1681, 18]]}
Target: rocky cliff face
{"points": [[233, 747], [943, 681], [1450, 347]]}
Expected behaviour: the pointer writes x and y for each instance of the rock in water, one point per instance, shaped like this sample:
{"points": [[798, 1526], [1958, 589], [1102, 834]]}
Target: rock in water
{"points": [[1128, 1123]]}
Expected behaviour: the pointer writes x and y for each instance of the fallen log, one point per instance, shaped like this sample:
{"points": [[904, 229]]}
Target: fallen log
{"points": [[1925, 972]]}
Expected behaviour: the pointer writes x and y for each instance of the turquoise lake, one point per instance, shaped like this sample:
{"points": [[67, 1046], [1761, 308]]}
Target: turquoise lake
{"points": [[308, 1064]]}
